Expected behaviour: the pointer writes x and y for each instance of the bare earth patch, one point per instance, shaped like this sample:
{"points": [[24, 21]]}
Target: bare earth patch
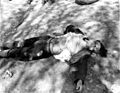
{"points": [[21, 20]]}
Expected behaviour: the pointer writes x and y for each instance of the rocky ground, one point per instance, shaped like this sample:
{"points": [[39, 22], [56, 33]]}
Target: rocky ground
{"points": [[21, 19]]}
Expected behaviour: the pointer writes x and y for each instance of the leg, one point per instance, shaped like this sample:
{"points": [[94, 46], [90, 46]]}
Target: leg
{"points": [[37, 49], [31, 41], [21, 43], [41, 48], [20, 53]]}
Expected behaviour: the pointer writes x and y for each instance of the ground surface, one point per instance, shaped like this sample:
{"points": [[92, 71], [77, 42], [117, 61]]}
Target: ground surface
{"points": [[21, 20]]}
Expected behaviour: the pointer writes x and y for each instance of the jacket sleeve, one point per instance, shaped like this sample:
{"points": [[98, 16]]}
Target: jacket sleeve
{"points": [[81, 68], [75, 58]]}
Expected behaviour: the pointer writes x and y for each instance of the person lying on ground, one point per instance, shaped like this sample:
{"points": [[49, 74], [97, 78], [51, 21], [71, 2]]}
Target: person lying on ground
{"points": [[36, 47], [78, 63], [61, 47], [25, 49], [43, 45], [68, 46]]}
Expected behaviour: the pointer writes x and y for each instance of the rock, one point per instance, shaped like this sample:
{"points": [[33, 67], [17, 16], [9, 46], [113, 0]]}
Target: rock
{"points": [[85, 2], [115, 88], [7, 74], [49, 1]]}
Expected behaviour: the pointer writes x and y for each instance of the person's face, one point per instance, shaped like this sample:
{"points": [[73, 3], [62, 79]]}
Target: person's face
{"points": [[95, 46]]}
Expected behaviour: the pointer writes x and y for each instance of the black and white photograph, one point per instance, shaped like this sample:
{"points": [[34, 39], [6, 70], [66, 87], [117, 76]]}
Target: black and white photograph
{"points": [[59, 46]]}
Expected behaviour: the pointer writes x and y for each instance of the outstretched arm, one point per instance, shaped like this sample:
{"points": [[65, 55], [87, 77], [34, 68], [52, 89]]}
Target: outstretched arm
{"points": [[78, 56], [81, 71]]}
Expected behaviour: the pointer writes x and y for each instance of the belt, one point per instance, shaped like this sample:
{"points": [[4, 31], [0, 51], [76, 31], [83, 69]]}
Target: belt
{"points": [[49, 47]]}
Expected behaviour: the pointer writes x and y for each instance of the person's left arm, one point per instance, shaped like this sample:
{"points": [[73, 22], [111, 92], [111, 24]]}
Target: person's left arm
{"points": [[80, 72]]}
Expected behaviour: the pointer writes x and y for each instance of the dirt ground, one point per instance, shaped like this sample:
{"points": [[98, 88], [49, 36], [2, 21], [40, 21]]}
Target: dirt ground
{"points": [[21, 20]]}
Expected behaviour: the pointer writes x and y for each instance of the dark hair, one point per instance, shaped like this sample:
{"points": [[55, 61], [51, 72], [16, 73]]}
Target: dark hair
{"points": [[72, 28], [69, 28], [103, 50], [78, 31], [85, 38]]}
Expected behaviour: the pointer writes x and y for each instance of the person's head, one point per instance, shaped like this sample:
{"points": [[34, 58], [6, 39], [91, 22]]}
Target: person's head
{"points": [[73, 29], [98, 48], [69, 28]]}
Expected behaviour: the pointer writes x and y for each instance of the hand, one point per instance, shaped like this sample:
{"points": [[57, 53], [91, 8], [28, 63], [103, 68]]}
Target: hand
{"points": [[39, 53], [79, 86]]}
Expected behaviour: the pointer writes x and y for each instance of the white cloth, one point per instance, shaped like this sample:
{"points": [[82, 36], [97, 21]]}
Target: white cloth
{"points": [[65, 55], [115, 88]]}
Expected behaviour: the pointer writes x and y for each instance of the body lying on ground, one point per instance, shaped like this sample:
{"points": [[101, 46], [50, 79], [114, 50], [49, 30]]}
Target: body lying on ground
{"points": [[61, 47], [44, 46]]}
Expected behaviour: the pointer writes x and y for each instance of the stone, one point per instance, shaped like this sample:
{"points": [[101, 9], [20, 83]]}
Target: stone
{"points": [[85, 2]]}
